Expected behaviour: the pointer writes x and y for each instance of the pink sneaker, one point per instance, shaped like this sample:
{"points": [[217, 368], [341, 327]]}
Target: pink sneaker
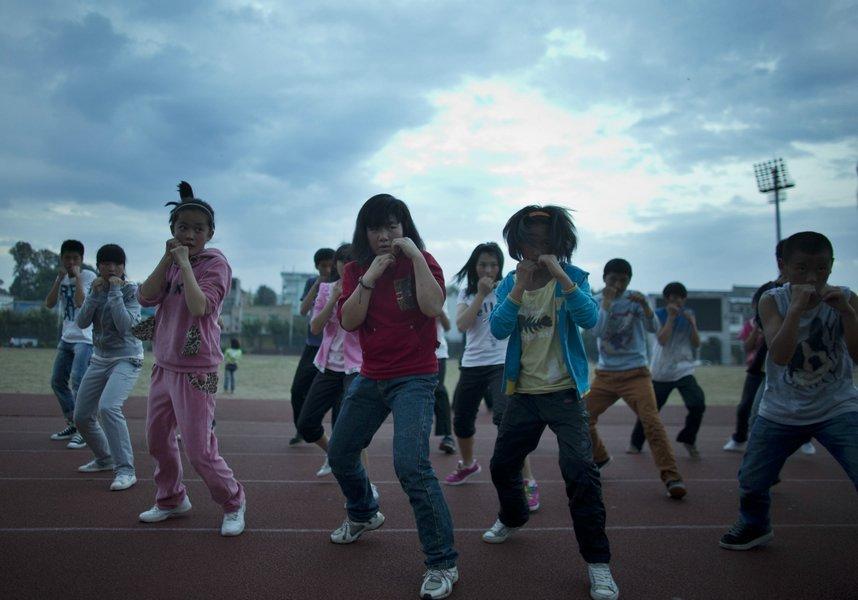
{"points": [[531, 492], [462, 473]]}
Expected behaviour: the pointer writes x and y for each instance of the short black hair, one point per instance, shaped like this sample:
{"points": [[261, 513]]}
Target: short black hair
{"points": [[110, 253], [469, 271], [71, 246], [377, 212], [779, 250], [234, 344], [188, 201], [323, 254], [617, 265], [809, 242], [674, 288], [561, 230], [344, 255]]}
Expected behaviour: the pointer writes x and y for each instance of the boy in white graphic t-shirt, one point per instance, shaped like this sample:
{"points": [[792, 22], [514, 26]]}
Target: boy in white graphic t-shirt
{"points": [[75, 346]]}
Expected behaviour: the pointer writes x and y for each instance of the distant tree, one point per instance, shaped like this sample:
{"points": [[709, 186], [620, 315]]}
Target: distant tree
{"points": [[279, 330], [34, 271], [265, 296], [251, 330]]}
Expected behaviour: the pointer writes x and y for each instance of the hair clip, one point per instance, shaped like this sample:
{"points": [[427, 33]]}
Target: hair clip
{"points": [[538, 213]]}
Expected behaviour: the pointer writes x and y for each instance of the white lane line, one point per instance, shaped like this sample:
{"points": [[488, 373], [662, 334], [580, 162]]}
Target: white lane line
{"points": [[525, 530], [108, 477]]}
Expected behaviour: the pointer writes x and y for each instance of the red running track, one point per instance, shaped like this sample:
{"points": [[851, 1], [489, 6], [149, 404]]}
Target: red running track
{"points": [[64, 535]]}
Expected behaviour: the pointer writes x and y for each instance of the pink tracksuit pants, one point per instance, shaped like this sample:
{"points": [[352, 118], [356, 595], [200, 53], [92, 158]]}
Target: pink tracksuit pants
{"points": [[187, 400]]}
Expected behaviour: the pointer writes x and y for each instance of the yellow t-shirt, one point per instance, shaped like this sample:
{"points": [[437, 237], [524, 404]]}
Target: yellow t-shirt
{"points": [[542, 367]]}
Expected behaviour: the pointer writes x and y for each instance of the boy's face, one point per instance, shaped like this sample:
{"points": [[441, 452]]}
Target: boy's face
{"points": [[324, 268], [618, 281], [192, 229], [811, 269], [71, 259], [676, 299]]}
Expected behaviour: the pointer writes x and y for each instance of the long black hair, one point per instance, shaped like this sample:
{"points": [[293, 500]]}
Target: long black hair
{"points": [[376, 212], [188, 201], [561, 230], [469, 271]]}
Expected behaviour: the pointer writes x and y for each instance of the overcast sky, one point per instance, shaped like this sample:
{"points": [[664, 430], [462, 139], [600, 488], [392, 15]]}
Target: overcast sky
{"points": [[643, 117]]}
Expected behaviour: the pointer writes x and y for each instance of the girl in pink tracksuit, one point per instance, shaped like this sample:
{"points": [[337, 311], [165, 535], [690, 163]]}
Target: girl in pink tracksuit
{"points": [[188, 286]]}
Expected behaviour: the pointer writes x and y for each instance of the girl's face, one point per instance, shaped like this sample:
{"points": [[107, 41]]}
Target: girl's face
{"points": [[107, 269], [380, 238], [341, 266], [487, 265], [538, 244], [192, 229]]}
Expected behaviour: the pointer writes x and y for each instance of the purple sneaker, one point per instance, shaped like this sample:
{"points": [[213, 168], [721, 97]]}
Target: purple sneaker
{"points": [[531, 492], [462, 473]]}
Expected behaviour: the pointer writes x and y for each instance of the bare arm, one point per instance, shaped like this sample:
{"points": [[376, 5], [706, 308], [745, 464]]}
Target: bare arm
{"points": [[310, 297], [663, 335], [466, 315], [850, 328], [445, 320], [753, 339], [781, 332], [51, 299], [695, 335], [79, 292], [430, 296], [353, 312], [153, 285]]}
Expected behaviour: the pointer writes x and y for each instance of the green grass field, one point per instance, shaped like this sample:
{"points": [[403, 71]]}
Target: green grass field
{"points": [[269, 377]]}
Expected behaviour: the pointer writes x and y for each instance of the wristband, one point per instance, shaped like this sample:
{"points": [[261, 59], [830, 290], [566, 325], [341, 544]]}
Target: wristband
{"points": [[363, 285], [571, 288]]}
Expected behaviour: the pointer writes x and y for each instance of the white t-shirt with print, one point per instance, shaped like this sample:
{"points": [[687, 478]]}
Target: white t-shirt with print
{"points": [[68, 311], [441, 351], [482, 349]]}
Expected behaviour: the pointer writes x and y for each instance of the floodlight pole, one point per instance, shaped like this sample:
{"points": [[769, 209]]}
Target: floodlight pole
{"points": [[777, 203], [772, 176]]}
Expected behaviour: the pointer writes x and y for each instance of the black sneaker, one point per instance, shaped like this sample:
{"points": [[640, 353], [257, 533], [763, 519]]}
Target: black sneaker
{"points": [[448, 446], [744, 537], [676, 489], [296, 440], [65, 433], [76, 442]]}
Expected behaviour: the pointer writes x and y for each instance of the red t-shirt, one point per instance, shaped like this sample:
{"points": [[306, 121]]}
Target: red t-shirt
{"points": [[397, 339]]}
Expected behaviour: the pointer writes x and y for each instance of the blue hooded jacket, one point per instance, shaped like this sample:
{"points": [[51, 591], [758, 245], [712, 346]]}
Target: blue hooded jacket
{"points": [[573, 310]]}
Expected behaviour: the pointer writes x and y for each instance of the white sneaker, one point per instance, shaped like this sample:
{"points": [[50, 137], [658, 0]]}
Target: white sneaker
{"points": [[498, 533], [325, 469], [808, 448], [602, 585], [123, 482], [157, 514], [93, 467], [233, 523], [734, 446], [438, 583], [76, 442], [350, 531]]}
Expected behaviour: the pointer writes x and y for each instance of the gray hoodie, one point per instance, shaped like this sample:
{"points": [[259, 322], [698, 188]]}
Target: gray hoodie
{"points": [[112, 314]]}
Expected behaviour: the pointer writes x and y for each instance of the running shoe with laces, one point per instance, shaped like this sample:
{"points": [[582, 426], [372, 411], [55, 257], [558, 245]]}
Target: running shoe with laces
{"points": [[531, 492], [498, 533], [66, 433], [76, 442], [350, 530], [602, 585], [438, 583], [744, 537], [233, 522], [676, 489], [462, 473], [157, 514], [94, 466]]}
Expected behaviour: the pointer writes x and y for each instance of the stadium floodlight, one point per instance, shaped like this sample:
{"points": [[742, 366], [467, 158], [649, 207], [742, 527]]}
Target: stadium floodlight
{"points": [[772, 176]]}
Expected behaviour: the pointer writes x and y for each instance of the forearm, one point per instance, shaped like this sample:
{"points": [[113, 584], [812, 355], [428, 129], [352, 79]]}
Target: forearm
{"points": [[309, 299], [850, 333], [355, 308], [663, 335], [51, 300], [79, 292], [194, 297], [602, 321], [430, 296], [695, 337], [125, 316], [784, 342], [155, 282], [318, 321], [87, 311], [467, 317]]}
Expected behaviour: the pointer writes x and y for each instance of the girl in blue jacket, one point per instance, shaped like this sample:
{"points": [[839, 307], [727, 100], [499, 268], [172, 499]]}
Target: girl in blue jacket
{"points": [[540, 308]]}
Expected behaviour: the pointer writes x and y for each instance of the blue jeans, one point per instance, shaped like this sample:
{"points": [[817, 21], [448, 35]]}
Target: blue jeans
{"points": [[71, 362], [365, 407], [770, 444]]}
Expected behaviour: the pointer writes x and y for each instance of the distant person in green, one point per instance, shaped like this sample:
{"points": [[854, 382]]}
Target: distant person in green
{"points": [[231, 356]]}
